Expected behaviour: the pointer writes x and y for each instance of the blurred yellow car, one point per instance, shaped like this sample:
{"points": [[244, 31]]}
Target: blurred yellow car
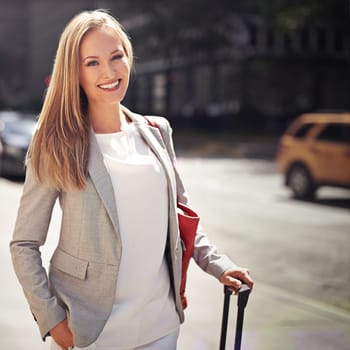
{"points": [[314, 152]]}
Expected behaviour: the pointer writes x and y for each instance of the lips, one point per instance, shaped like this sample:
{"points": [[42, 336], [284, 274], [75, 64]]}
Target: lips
{"points": [[111, 85]]}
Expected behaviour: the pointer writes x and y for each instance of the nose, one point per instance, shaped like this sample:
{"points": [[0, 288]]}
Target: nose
{"points": [[108, 70]]}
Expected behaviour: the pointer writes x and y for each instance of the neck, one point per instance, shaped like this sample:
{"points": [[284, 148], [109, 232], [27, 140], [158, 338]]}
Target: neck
{"points": [[107, 118]]}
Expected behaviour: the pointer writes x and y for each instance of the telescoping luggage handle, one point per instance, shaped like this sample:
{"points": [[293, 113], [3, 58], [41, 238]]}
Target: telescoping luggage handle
{"points": [[243, 295]]}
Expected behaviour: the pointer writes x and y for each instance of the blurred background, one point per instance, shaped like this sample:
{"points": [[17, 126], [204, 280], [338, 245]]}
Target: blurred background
{"points": [[249, 63], [231, 76]]}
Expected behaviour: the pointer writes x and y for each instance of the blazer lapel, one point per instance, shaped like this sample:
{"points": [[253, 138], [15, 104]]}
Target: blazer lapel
{"points": [[102, 180], [99, 174], [154, 139]]}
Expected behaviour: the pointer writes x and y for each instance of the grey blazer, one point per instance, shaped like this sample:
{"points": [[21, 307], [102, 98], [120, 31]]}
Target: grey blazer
{"points": [[83, 273]]}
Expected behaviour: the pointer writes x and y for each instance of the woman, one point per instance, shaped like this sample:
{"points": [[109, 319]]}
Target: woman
{"points": [[114, 277]]}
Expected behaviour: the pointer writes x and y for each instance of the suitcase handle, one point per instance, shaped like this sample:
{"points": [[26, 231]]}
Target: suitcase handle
{"points": [[243, 295]]}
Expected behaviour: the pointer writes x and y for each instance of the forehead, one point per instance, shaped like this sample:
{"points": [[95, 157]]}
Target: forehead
{"points": [[100, 40]]}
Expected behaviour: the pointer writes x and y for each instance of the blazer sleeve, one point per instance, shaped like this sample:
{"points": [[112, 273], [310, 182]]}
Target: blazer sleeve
{"points": [[205, 253], [32, 223]]}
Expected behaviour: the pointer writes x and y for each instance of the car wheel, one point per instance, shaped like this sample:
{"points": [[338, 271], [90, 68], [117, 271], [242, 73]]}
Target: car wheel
{"points": [[300, 182]]}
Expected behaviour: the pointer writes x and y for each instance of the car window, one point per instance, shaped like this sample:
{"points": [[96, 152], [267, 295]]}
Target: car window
{"points": [[303, 130], [333, 132]]}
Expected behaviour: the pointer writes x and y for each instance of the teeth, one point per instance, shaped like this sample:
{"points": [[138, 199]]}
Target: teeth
{"points": [[109, 86]]}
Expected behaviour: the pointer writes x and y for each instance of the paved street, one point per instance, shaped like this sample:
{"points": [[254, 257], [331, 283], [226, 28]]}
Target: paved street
{"points": [[298, 253]]}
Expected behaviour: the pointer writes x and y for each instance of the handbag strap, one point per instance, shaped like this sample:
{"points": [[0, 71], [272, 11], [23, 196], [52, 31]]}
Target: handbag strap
{"points": [[151, 122]]}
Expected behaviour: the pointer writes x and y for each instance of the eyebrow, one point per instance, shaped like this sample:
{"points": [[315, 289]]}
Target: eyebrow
{"points": [[112, 53]]}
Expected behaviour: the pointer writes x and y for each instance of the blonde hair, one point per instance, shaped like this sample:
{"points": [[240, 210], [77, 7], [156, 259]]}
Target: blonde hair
{"points": [[59, 151]]}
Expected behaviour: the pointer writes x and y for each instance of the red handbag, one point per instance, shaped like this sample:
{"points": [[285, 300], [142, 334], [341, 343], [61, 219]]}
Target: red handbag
{"points": [[188, 222]]}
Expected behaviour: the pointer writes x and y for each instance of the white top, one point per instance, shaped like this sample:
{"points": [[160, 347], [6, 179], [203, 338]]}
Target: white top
{"points": [[144, 308]]}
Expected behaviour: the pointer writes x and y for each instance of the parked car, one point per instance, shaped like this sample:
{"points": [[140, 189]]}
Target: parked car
{"points": [[314, 152], [16, 131]]}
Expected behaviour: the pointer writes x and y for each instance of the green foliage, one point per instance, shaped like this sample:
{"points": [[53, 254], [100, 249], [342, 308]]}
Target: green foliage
{"points": [[291, 15], [176, 28]]}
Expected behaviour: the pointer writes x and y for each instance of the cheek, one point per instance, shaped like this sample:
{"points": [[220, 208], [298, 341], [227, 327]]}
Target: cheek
{"points": [[81, 82], [82, 78], [123, 66], [86, 80], [127, 66]]}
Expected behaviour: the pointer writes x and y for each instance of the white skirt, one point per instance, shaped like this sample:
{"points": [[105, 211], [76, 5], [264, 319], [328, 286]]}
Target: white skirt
{"points": [[168, 342]]}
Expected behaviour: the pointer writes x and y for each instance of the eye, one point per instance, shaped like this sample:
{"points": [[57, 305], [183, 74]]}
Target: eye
{"points": [[117, 56], [92, 63]]}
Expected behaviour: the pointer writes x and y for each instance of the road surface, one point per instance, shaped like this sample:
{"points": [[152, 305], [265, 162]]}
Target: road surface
{"points": [[298, 253]]}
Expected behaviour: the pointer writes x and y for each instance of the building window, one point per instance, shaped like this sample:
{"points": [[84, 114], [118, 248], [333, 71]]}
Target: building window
{"points": [[304, 39], [253, 33], [338, 41], [270, 39], [142, 93], [287, 42], [321, 39], [202, 94], [159, 93]]}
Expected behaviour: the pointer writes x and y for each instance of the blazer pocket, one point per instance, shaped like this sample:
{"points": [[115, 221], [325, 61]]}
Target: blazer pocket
{"points": [[69, 264]]}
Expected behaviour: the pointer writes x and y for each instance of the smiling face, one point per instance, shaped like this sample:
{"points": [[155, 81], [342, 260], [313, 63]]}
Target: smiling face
{"points": [[104, 68]]}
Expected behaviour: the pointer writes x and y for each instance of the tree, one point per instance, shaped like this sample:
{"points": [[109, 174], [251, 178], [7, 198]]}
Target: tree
{"points": [[187, 26], [294, 14]]}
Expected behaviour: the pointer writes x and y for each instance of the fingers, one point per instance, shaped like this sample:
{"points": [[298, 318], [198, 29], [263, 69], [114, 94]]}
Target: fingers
{"points": [[233, 282], [62, 335], [64, 346], [246, 278], [234, 278]]}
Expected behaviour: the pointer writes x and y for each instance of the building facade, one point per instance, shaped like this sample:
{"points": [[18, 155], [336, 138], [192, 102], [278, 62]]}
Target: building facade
{"points": [[268, 77], [264, 75]]}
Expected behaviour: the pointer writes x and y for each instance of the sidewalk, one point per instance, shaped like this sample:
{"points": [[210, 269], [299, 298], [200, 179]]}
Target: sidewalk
{"points": [[194, 145], [274, 320]]}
